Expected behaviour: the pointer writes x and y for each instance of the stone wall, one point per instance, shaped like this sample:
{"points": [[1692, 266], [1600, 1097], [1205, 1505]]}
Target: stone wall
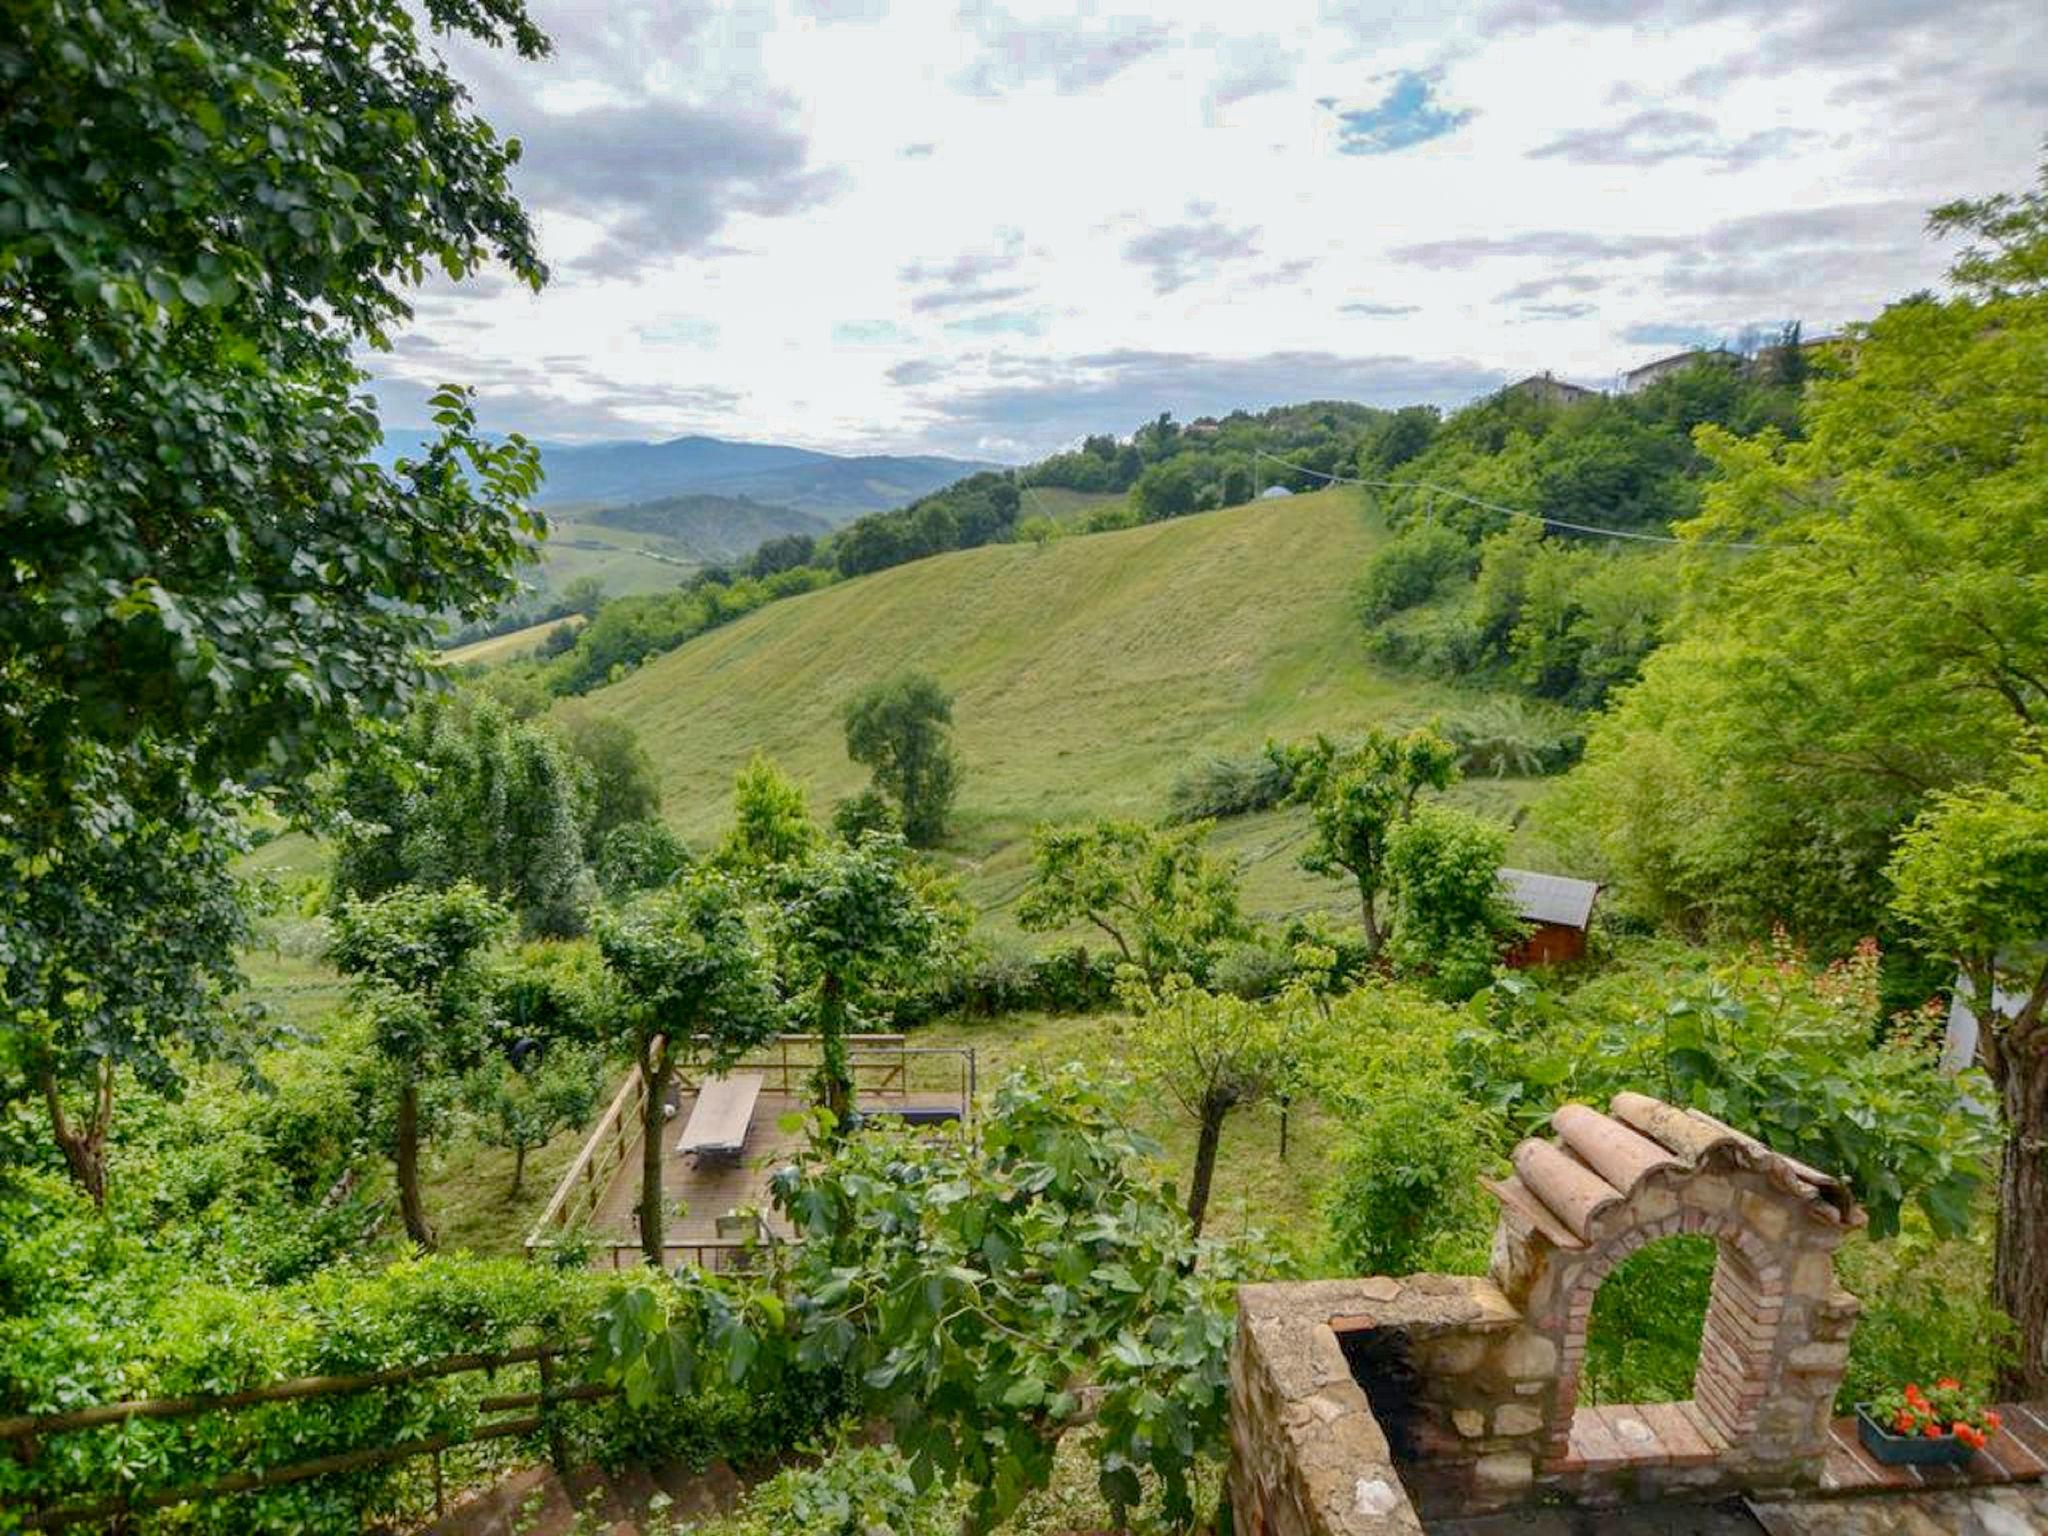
{"points": [[1477, 1379]]}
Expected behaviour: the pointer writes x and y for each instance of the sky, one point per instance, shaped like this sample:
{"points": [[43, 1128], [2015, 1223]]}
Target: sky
{"points": [[986, 229]]}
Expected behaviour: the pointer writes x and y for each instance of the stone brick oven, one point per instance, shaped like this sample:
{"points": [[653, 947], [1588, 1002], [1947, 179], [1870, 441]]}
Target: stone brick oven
{"points": [[1484, 1372]]}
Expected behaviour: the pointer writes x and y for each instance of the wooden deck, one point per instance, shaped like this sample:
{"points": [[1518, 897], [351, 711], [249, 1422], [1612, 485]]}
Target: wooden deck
{"points": [[599, 1197], [2018, 1453]]}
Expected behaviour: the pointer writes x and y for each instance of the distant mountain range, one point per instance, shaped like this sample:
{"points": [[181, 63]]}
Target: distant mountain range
{"points": [[711, 528], [837, 486]]}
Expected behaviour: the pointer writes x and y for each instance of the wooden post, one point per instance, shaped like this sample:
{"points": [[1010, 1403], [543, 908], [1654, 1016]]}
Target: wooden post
{"points": [[558, 1451]]}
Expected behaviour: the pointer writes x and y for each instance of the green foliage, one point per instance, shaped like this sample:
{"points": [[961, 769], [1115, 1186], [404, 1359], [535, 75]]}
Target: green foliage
{"points": [[1406, 1194], [923, 1272], [1412, 569], [1220, 785], [549, 991], [1797, 1057], [629, 630], [1643, 1341], [1451, 914], [869, 811], [771, 822], [1891, 642], [1927, 1312], [1162, 899], [1511, 738], [1396, 438], [853, 1491], [616, 775], [523, 1107], [982, 509], [639, 856], [1213, 1054], [414, 956], [900, 729], [1357, 793], [116, 958], [688, 960], [854, 927], [470, 793]]}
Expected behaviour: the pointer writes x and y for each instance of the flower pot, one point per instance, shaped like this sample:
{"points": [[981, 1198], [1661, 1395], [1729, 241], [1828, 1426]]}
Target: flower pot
{"points": [[1909, 1450]]}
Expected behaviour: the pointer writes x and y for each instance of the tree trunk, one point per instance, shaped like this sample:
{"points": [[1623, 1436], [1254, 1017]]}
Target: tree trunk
{"points": [[1374, 939], [655, 1070], [84, 1146], [408, 1160], [2022, 1266], [835, 1073], [518, 1169], [1205, 1163]]}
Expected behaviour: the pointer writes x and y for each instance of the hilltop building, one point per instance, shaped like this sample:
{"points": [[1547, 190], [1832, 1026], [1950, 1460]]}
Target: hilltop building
{"points": [[1550, 389], [1662, 368]]}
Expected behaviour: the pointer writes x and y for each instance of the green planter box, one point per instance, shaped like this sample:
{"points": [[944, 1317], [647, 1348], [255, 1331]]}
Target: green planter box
{"points": [[1908, 1450]]}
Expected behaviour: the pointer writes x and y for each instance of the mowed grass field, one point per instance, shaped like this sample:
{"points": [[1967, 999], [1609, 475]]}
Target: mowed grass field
{"points": [[1087, 674], [508, 646]]}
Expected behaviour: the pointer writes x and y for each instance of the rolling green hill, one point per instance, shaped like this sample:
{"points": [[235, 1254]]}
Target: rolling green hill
{"points": [[712, 528], [1086, 673]]}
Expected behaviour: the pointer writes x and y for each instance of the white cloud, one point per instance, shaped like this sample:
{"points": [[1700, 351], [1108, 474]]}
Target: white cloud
{"points": [[990, 227]]}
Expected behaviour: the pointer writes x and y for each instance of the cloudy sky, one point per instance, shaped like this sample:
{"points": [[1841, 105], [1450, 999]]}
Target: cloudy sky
{"points": [[988, 228]]}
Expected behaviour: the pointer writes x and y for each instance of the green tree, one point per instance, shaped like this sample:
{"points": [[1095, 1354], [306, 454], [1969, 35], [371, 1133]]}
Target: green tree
{"points": [[521, 1108], [469, 793], [771, 823], [1971, 879], [204, 214], [616, 777], [414, 957], [686, 959], [1213, 1054], [118, 960], [1357, 794], [1891, 640], [852, 928], [1451, 913], [900, 730], [1162, 899], [639, 856]]}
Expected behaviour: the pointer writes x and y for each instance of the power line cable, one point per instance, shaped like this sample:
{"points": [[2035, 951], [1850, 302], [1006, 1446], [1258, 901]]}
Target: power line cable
{"points": [[1494, 506]]}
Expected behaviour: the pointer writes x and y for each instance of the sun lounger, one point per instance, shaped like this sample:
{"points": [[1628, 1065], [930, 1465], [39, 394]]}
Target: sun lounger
{"points": [[718, 1121]]}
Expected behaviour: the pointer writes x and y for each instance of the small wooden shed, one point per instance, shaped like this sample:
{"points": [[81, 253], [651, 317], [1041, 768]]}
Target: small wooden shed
{"points": [[1558, 910]]}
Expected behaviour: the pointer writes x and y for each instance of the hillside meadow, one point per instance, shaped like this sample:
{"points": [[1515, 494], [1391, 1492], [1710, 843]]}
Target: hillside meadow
{"points": [[1086, 674]]}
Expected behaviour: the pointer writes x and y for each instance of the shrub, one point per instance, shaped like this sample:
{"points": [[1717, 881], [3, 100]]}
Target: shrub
{"points": [[853, 1491], [1412, 568], [1228, 785], [1927, 1311], [868, 811], [639, 856], [1510, 738], [1406, 1194]]}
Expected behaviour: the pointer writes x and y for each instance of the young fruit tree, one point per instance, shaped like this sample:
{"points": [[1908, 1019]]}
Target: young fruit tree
{"points": [[1162, 899], [522, 1106], [1358, 793], [415, 960], [1214, 1054], [689, 964]]}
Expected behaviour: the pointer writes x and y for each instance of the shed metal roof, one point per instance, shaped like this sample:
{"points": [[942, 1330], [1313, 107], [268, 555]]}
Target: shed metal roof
{"points": [[1559, 899]]}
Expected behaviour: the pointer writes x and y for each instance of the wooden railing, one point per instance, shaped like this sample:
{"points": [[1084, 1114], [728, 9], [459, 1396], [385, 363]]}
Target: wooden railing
{"points": [[611, 1141], [888, 1072], [530, 1414]]}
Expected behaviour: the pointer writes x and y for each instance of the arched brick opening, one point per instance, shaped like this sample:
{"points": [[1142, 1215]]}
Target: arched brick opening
{"points": [[1738, 1331], [1773, 1339]]}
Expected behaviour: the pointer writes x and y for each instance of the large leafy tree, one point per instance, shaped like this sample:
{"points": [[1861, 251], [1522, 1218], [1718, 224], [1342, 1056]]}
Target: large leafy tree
{"points": [[466, 792], [205, 210], [1452, 913], [1165, 902], [416, 962], [688, 963], [900, 730], [1890, 639], [1971, 877], [1358, 793]]}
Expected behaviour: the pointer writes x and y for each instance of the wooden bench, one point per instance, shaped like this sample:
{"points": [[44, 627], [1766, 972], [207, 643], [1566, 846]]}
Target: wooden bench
{"points": [[719, 1120]]}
